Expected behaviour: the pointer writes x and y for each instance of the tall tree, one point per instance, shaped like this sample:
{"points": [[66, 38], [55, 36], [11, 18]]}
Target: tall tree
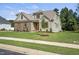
{"points": [[72, 22], [77, 10], [68, 19], [63, 16]]}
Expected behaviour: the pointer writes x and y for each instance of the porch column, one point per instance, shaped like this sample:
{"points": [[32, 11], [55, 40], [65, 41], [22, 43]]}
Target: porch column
{"points": [[39, 25], [32, 26]]}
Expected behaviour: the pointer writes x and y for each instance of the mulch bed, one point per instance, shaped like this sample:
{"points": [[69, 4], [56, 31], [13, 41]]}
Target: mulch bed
{"points": [[43, 34]]}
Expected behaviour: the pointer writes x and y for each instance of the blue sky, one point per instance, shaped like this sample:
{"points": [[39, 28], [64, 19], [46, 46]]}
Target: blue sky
{"points": [[9, 10]]}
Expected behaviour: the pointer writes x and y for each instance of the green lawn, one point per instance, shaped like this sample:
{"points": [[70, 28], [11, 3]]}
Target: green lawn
{"points": [[67, 37], [54, 49]]}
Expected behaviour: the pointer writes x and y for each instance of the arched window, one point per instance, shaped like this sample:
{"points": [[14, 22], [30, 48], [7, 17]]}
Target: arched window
{"points": [[44, 23]]}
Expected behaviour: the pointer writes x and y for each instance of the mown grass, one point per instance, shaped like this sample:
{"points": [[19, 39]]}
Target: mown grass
{"points": [[48, 48], [67, 37]]}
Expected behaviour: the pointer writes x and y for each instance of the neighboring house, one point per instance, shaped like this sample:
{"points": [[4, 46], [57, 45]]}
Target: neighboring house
{"points": [[38, 21], [4, 24]]}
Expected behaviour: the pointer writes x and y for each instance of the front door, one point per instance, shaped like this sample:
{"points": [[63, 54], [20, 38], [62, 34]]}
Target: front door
{"points": [[36, 26]]}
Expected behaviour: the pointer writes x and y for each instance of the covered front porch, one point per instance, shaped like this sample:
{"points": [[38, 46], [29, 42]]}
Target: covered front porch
{"points": [[36, 26]]}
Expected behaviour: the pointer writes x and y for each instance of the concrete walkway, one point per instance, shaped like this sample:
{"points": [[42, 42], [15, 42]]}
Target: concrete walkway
{"points": [[43, 42], [25, 51]]}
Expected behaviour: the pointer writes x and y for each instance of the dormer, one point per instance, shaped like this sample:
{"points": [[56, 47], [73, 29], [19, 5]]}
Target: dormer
{"points": [[37, 15], [20, 16]]}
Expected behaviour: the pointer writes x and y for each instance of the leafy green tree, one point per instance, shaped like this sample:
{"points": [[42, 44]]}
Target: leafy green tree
{"points": [[77, 10], [63, 16], [68, 19], [72, 22]]}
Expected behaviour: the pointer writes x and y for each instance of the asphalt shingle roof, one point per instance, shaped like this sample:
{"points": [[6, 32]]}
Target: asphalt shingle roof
{"points": [[49, 14]]}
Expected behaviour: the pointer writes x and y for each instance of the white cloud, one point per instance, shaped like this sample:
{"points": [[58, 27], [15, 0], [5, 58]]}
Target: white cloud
{"points": [[35, 7], [43, 9], [32, 7], [12, 13], [26, 11], [8, 7], [8, 14], [21, 11]]}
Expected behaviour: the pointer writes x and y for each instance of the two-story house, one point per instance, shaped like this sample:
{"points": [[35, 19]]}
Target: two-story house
{"points": [[38, 21]]}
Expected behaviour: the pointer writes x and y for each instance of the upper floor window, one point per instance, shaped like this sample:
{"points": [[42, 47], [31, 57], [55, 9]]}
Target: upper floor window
{"points": [[38, 16], [21, 16], [52, 20]]}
